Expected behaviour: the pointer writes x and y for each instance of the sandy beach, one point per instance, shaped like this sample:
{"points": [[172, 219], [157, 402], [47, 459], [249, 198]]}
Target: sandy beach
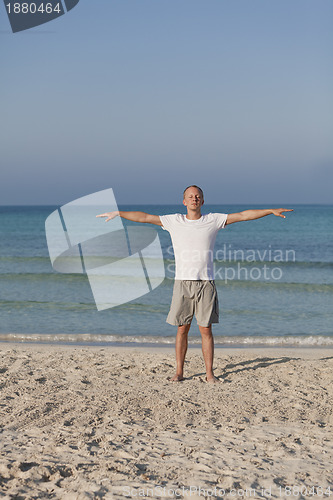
{"points": [[105, 422]]}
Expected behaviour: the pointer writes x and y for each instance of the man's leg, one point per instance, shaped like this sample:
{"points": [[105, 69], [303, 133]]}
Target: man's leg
{"points": [[181, 349], [208, 351]]}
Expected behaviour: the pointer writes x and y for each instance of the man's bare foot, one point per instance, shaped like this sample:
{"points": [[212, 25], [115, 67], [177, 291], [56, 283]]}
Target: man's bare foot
{"points": [[176, 378], [212, 379]]}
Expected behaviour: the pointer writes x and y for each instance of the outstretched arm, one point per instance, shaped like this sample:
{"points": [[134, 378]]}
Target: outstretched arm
{"points": [[134, 216], [256, 214]]}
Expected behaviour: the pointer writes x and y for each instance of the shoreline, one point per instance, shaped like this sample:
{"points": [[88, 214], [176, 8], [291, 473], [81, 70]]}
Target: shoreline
{"points": [[162, 346], [167, 348]]}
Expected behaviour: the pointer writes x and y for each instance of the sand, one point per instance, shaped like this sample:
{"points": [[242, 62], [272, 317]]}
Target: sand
{"points": [[91, 422]]}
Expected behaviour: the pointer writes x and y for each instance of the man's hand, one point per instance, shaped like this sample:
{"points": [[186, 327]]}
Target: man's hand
{"points": [[109, 215], [278, 211]]}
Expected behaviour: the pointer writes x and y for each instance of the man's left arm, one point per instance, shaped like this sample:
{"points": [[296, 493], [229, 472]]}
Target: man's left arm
{"points": [[256, 214]]}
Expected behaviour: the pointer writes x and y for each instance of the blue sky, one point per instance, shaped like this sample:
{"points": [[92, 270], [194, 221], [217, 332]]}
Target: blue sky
{"points": [[149, 96]]}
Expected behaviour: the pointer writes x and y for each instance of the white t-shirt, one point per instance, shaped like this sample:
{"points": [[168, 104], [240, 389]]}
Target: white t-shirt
{"points": [[193, 244]]}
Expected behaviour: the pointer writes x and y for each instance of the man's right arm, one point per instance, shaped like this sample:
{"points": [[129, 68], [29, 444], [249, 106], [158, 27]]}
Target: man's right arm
{"points": [[133, 216]]}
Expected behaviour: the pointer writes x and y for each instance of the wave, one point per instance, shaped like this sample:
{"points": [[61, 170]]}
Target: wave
{"points": [[256, 262], [227, 279], [144, 340], [291, 286]]}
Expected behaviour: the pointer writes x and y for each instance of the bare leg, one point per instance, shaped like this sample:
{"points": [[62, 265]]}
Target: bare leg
{"points": [[181, 349], [208, 352]]}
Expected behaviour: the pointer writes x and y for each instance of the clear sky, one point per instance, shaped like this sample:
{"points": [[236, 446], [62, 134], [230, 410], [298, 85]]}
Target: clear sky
{"points": [[149, 96]]}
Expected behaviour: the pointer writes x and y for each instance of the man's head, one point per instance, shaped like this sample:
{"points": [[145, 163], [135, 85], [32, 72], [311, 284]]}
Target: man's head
{"points": [[193, 186], [193, 198]]}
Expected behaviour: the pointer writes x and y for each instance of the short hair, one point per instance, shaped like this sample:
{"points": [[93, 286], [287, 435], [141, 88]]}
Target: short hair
{"points": [[193, 186]]}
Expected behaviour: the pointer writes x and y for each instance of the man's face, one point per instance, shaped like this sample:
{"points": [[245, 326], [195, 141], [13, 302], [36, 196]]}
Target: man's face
{"points": [[193, 198]]}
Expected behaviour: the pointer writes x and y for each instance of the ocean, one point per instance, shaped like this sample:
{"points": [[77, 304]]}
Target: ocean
{"points": [[274, 279]]}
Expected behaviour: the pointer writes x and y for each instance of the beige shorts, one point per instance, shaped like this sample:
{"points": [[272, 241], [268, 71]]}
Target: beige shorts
{"points": [[194, 297]]}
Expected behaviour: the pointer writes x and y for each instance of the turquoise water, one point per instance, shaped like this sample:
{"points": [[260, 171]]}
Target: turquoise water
{"points": [[274, 278]]}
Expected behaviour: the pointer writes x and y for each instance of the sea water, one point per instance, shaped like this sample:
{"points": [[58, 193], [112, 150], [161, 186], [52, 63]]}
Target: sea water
{"points": [[274, 278]]}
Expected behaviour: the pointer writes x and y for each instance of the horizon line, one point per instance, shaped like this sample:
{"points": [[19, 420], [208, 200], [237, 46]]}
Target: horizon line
{"points": [[160, 204]]}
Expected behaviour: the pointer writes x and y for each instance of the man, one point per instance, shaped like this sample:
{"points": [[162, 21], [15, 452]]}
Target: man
{"points": [[193, 237]]}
